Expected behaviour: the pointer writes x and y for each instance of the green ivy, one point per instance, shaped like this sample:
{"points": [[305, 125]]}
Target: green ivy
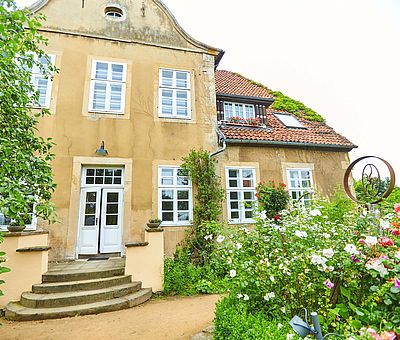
{"points": [[287, 104]]}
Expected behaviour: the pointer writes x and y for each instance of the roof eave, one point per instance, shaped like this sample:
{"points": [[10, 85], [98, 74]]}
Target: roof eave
{"points": [[332, 147], [245, 99]]}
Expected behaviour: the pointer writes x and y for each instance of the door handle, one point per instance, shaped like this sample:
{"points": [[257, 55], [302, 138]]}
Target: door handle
{"points": [[97, 221]]}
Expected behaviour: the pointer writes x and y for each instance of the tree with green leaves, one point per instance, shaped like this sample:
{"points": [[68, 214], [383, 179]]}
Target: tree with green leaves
{"points": [[26, 180]]}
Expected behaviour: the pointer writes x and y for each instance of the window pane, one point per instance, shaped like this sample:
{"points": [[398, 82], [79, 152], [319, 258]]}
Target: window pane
{"points": [[305, 174], [117, 180], [167, 96], [112, 208], [182, 79], [167, 77], [112, 197], [183, 216], [181, 103], [101, 70], [90, 172], [248, 214], [183, 205], [167, 216], [248, 195], [235, 205], [91, 197], [99, 96], [233, 183], [90, 220], [116, 97], [183, 194], [167, 181], [167, 194], [167, 205], [111, 219], [108, 180], [167, 172], [183, 181], [117, 72], [233, 195], [293, 174], [234, 215], [233, 173], [90, 208]]}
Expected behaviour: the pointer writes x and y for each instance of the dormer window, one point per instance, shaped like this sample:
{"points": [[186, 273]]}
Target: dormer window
{"points": [[244, 111], [288, 120]]}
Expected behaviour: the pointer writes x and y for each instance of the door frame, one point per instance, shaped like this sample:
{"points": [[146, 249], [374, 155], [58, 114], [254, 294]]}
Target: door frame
{"points": [[73, 216]]}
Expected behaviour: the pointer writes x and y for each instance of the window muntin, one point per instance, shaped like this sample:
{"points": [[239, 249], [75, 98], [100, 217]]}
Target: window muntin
{"points": [[244, 111], [95, 176], [175, 196], [42, 84], [174, 94], [241, 190], [300, 185], [288, 120], [108, 86]]}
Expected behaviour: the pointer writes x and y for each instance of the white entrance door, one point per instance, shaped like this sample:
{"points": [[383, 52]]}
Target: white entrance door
{"points": [[111, 221], [101, 211]]}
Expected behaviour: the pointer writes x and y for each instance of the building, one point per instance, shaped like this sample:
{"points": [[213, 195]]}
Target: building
{"points": [[134, 94]]}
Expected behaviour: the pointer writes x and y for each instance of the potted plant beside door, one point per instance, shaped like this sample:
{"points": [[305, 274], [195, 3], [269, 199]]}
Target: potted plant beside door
{"points": [[154, 223]]}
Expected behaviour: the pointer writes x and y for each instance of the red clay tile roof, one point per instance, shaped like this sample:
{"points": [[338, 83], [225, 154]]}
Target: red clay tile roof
{"points": [[227, 82], [315, 133]]}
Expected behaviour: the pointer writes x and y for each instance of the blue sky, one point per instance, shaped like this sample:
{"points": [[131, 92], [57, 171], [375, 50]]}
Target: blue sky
{"points": [[340, 57]]}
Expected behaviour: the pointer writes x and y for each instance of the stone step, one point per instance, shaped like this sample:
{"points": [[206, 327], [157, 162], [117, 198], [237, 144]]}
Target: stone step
{"points": [[79, 275], [61, 287], [16, 312], [56, 300]]}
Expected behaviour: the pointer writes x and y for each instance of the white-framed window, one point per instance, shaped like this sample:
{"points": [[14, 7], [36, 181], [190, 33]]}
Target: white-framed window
{"points": [[107, 87], [300, 185], [288, 120], [30, 224], [241, 191], [174, 94], [175, 204], [40, 82], [244, 111], [99, 176]]}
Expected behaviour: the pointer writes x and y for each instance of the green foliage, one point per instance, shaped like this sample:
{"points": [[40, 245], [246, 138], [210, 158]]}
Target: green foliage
{"points": [[272, 198], [209, 197], [233, 321], [287, 104], [183, 277], [329, 258], [25, 172]]}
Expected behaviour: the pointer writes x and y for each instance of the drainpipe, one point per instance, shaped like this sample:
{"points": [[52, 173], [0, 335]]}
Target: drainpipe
{"points": [[223, 140]]}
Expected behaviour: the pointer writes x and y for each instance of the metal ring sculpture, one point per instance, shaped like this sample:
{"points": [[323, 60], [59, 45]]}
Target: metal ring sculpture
{"points": [[371, 185]]}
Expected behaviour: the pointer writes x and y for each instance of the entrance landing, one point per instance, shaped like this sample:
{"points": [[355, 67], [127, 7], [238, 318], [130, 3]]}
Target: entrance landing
{"points": [[87, 265]]}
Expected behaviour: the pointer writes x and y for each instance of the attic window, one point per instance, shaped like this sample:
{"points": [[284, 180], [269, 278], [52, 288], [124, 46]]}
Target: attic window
{"points": [[288, 120], [114, 12]]}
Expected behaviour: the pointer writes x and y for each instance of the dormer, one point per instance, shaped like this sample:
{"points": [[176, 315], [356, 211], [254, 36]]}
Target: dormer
{"points": [[240, 100]]}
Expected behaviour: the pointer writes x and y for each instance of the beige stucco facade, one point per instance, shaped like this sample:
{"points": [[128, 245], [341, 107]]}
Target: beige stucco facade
{"points": [[147, 39]]}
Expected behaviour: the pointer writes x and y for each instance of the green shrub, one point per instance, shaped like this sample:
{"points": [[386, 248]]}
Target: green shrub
{"points": [[234, 321], [272, 198]]}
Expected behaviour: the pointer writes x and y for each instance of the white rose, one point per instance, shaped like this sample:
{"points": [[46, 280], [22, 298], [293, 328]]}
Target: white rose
{"points": [[245, 297], [220, 238], [371, 241], [238, 246], [315, 212], [328, 253], [232, 273], [351, 249]]}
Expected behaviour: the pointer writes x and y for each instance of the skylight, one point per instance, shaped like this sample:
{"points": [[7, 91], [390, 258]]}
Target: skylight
{"points": [[288, 120]]}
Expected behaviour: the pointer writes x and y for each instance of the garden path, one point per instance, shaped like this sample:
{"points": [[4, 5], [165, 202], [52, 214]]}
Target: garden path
{"points": [[161, 318]]}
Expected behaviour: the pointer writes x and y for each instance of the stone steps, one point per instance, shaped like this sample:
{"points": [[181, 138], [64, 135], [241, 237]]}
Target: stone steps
{"points": [[77, 275], [16, 312], [54, 300], [70, 286], [78, 288]]}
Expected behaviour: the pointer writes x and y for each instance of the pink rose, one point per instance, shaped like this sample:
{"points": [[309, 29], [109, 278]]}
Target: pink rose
{"points": [[397, 283], [387, 242], [328, 284]]}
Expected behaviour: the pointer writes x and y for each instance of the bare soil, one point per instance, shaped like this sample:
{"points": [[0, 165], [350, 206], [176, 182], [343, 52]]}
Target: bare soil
{"points": [[161, 318]]}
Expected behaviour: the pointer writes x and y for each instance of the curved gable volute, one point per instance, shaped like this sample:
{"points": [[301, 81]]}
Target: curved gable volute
{"points": [[147, 21]]}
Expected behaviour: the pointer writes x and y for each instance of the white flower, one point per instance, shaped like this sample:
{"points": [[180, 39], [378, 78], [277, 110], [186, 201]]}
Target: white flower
{"points": [[326, 235], [263, 215], [272, 278], [208, 237], [283, 310], [247, 231], [377, 266], [351, 249], [245, 297], [232, 273], [328, 253], [301, 234], [280, 326], [220, 238], [371, 241], [269, 296], [385, 224], [397, 255], [239, 296], [289, 336], [238, 246], [330, 268], [229, 261], [315, 212]]}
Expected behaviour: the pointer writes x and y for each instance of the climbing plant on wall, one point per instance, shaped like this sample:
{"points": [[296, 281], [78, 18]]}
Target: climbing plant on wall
{"points": [[209, 197]]}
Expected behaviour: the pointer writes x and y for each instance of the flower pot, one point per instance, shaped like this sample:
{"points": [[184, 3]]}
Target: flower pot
{"points": [[16, 228], [153, 225]]}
